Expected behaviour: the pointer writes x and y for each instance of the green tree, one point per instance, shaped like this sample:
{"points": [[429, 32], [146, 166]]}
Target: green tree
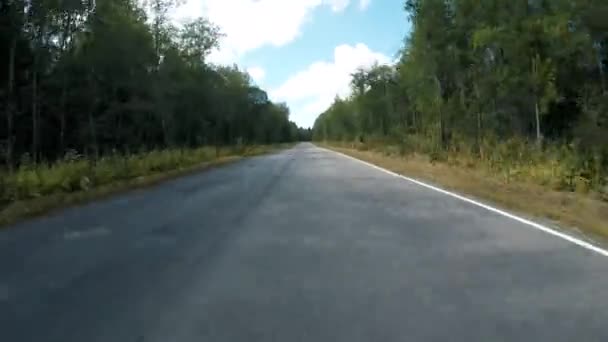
{"points": [[476, 73], [114, 76]]}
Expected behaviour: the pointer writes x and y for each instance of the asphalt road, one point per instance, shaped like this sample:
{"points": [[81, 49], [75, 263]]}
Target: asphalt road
{"points": [[304, 245]]}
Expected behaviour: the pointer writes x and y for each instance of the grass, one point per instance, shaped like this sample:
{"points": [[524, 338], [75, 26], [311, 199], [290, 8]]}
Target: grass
{"points": [[34, 190], [531, 192]]}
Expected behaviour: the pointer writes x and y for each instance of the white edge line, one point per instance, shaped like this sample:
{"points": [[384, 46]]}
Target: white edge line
{"points": [[545, 229]]}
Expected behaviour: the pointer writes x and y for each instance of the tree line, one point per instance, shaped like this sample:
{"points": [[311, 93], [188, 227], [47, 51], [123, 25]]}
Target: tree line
{"points": [[482, 76], [117, 76]]}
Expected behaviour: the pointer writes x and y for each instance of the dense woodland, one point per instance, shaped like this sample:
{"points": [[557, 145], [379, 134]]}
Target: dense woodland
{"points": [[517, 82], [116, 76]]}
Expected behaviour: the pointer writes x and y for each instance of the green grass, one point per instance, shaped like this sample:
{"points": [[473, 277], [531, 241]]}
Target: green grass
{"points": [[33, 190]]}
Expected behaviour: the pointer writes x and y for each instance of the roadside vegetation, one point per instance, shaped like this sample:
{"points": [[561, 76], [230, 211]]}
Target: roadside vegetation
{"points": [[76, 173], [510, 91], [35, 189], [98, 92]]}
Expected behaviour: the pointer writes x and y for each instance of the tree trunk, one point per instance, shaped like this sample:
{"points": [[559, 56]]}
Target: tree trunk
{"points": [[539, 138], [165, 129], [64, 85], [442, 135], [91, 119], [442, 130], [35, 115], [479, 139], [479, 121], [39, 41], [386, 118], [92, 132], [11, 104], [62, 121], [217, 146]]}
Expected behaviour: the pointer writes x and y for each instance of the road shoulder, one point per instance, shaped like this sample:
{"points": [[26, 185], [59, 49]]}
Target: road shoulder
{"points": [[584, 216]]}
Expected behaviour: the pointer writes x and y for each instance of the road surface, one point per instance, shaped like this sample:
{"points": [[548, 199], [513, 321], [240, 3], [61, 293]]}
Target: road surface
{"points": [[303, 245]]}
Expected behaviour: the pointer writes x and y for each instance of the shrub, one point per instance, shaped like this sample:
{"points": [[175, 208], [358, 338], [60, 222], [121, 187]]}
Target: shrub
{"points": [[73, 173], [557, 166]]}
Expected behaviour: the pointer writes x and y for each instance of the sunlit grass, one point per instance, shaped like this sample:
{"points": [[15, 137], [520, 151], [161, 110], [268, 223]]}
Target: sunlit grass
{"points": [[34, 189], [77, 174]]}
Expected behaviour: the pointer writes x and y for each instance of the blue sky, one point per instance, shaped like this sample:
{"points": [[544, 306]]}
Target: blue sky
{"points": [[303, 51]]}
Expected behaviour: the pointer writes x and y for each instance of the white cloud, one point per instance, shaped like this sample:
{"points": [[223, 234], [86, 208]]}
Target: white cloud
{"points": [[311, 91], [251, 24], [257, 74], [364, 4], [338, 5]]}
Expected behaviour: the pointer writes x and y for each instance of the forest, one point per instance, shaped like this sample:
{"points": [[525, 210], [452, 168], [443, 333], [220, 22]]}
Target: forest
{"points": [[118, 76], [92, 92], [514, 86]]}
